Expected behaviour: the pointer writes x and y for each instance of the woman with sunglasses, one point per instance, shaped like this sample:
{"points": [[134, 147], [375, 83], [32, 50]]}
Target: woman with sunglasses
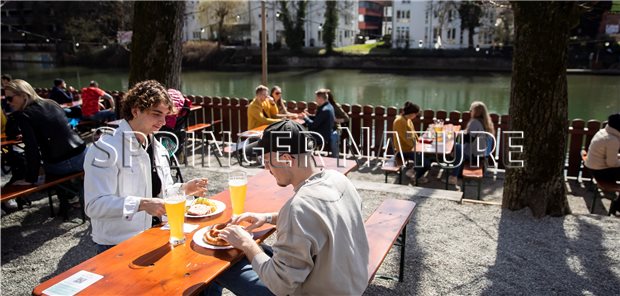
{"points": [[47, 136], [276, 94]]}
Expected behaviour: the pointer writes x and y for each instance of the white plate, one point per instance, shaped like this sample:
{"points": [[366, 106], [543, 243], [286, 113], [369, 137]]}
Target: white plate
{"points": [[199, 241], [220, 207]]}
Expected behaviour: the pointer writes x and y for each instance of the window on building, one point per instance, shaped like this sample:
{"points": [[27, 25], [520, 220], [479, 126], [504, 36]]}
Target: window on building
{"points": [[320, 35], [197, 35], [453, 33], [408, 15]]}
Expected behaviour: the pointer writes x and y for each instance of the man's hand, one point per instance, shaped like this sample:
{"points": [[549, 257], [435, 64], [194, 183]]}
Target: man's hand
{"points": [[237, 236], [153, 206], [196, 187], [271, 100], [256, 220]]}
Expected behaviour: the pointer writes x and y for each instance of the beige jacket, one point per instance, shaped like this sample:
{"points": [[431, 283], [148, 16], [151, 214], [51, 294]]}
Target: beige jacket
{"points": [[321, 246], [603, 151]]}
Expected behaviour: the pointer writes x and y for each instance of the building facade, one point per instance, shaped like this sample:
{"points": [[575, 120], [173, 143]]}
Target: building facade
{"points": [[370, 19], [244, 23], [437, 24]]}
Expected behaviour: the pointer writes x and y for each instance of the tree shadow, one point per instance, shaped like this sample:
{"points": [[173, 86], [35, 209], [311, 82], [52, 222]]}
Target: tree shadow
{"points": [[587, 190], [82, 251], [566, 255], [36, 228]]}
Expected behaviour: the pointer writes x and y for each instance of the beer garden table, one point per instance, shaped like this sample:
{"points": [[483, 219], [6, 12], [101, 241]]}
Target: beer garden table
{"points": [[146, 263]]}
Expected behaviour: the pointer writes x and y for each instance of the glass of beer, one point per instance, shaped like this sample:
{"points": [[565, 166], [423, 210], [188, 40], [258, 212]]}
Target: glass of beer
{"points": [[174, 201], [237, 183], [438, 127]]}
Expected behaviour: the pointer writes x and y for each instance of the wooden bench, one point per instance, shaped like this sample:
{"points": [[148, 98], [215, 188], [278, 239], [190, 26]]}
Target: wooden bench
{"points": [[603, 186], [14, 191], [387, 226], [472, 173], [390, 167]]}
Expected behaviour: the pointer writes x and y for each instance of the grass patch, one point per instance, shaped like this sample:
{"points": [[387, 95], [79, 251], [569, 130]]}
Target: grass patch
{"points": [[357, 49]]}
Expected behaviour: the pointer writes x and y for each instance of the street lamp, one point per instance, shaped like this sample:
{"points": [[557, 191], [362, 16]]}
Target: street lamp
{"points": [[202, 30], [47, 40], [477, 48], [320, 26], [420, 44], [77, 44], [606, 44]]}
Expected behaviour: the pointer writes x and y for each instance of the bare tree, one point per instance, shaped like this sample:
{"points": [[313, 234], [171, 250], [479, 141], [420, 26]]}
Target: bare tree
{"points": [[539, 106], [218, 13], [156, 50]]}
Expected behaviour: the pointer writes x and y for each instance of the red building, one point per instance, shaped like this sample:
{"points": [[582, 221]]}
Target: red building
{"points": [[370, 18]]}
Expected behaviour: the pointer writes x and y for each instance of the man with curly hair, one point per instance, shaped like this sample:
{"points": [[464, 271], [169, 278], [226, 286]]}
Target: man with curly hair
{"points": [[126, 169]]}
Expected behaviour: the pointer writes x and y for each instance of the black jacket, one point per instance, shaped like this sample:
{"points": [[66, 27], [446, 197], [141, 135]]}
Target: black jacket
{"points": [[60, 95], [47, 135]]}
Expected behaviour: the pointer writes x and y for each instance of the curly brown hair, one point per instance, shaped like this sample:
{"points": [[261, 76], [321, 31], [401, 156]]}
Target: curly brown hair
{"points": [[144, 95]]}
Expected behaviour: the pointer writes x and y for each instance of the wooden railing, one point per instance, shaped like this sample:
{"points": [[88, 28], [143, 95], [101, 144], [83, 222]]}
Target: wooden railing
{"points": [[233, 115]]}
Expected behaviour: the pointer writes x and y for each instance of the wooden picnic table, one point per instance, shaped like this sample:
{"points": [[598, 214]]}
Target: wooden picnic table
{"points": [[146, 264]]}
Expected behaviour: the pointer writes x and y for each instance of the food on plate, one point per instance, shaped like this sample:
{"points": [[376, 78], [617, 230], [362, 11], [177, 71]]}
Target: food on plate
{"points": [[201, 207], [212, 236]]}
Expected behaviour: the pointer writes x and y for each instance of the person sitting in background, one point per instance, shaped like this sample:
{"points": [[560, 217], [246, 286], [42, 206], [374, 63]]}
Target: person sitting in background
{"points": [[342, 120], [475, 142], [262, 110], [120, 200], [323, 120], [603, 158], [91, 109], [47, 137], [276, 94], [6, 78], [407, 136], [61, 95]]}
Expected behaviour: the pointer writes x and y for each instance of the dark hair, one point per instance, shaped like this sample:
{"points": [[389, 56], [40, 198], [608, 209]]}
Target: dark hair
{"points": [[94, 83], [6, 77], [614, 121], [58, 82], [410, 108], [273, 89], [144, 95]]}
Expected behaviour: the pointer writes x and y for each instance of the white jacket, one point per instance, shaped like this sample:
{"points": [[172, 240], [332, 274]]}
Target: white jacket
{"points": [[117, 174], [603, 150]]}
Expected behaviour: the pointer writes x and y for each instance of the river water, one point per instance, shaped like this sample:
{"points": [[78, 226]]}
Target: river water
{"points": [[590, 96]]}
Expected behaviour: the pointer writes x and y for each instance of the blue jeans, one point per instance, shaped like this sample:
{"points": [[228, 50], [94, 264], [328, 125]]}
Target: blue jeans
{"points": [[103, 248], [240, 279], [419, 167], [65, 167], [102, 116], [334, 140]]}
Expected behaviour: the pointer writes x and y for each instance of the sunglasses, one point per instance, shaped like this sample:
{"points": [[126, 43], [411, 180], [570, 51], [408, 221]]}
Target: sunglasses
{"points": [[277, 93], [9, 99]]}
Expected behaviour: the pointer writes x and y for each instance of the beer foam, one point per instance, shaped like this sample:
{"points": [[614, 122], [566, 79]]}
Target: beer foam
{"points": [[174, 199], [237, 182]]}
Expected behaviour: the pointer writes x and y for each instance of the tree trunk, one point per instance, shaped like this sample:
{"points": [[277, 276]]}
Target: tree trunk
{"points": [[156, 42], [539, 106], [470, 37]]}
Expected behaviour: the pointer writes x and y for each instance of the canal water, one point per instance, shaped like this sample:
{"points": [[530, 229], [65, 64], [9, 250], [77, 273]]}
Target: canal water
{"points": [[590, 96]]}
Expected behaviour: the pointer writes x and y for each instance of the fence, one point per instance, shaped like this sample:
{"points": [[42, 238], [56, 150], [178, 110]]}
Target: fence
{"points": [[233, 115]]}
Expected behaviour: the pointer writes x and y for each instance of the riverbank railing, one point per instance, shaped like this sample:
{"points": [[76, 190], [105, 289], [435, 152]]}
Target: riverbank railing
{"points": [[368, 124]]}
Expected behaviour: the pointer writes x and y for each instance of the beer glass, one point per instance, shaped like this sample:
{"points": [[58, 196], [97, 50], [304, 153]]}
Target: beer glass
{"points": [[237, 184], [174, 201]]}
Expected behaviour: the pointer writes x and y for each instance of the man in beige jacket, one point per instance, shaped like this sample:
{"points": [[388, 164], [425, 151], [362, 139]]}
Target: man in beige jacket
{"points": [[321, 246]]}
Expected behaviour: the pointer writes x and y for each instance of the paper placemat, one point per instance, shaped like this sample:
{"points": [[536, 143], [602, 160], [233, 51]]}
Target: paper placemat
{"points": [[73, 284]]}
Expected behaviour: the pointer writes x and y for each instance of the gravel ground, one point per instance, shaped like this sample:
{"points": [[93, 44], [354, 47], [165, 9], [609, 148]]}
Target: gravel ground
{"points": [[452, 248]]}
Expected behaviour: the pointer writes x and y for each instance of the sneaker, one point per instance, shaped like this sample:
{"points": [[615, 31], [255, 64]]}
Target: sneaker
{"points": [[452, 180], [422, 180]]}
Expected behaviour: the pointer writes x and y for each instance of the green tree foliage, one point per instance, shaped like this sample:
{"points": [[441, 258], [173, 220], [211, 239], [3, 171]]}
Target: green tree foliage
{"points": [[293, 27], [330, 26], [470, 13]]}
